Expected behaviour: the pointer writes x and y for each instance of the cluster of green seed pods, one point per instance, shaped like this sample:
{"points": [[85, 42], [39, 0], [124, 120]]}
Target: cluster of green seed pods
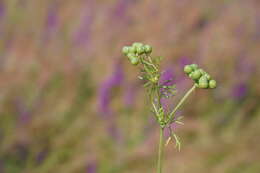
{"points": [[135, 51], [200, 77]]}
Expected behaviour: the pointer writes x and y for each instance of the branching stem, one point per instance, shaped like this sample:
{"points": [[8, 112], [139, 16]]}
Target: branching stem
{"points": [[171, 116]]}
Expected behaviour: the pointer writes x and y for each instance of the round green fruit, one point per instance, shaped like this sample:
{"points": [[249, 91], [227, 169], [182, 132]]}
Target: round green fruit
{"points": [[132, 49], [148, 49], [125, 50], [130, 55], [196, 75], [134, 60], [202, 71], [203, 82], [140, 50], [187, 69], [194, 66], [207, 76], [212, 84]]}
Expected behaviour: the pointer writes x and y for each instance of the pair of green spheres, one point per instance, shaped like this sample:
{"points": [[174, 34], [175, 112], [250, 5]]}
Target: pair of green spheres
{"points": [[137, 49], [202, 78]]}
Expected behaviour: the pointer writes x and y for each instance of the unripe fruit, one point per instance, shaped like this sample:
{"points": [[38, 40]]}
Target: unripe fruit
{"points": [[207, 76], [187, 69], [196, 75], [130, 55], [202, 71], [148, 49], [203, 82], [134, 60], [132, 49], [212, 84], [137, 44], [125, 50], [194, 66], [140, 50]]}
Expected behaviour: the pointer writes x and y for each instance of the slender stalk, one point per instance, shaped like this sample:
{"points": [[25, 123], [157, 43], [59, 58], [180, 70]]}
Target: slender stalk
{"points": [[171, 116], [160, 152]]}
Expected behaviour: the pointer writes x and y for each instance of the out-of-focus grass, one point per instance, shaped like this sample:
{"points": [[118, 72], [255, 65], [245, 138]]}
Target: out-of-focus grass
{"points": [[56, 55]]}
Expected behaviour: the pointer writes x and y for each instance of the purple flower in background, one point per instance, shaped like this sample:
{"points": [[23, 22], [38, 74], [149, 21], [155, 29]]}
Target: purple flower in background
{"points": [[92, 167], [41, 156], [82, 34], [105, 91], [2, 9], [121, 8], [51, 22], [239, 91], [129, 95], [105, 97], [167, 79], [52, 18]]}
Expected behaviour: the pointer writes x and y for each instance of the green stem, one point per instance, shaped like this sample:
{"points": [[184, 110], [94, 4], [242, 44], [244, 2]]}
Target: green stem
{"points": [[160, 152], [171, 116]]}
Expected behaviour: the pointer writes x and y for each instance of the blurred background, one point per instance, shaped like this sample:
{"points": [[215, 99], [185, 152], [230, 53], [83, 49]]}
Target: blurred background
{"points": [[71, 103]]}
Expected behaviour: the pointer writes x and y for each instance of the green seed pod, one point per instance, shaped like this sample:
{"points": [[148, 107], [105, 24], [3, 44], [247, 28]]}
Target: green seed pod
{"points": [[130, 55], [132, 49], [207, 76], [202, 71], [196, 75], [203, 82], [194, 66], [212, 84], [187, 69], [148, 49], [125, 50], [134, 60], [137, 44], [140, 50]]}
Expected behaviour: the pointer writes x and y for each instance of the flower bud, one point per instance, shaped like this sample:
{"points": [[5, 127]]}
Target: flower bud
{"points": [[125, 50], [194, 66], [212, 84], [130, 55], [134, 60], [207, 76], [140, 50], [132, 49], [148, 49], [203, 82], [187, 69], [202, 71], [196, 75]]}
